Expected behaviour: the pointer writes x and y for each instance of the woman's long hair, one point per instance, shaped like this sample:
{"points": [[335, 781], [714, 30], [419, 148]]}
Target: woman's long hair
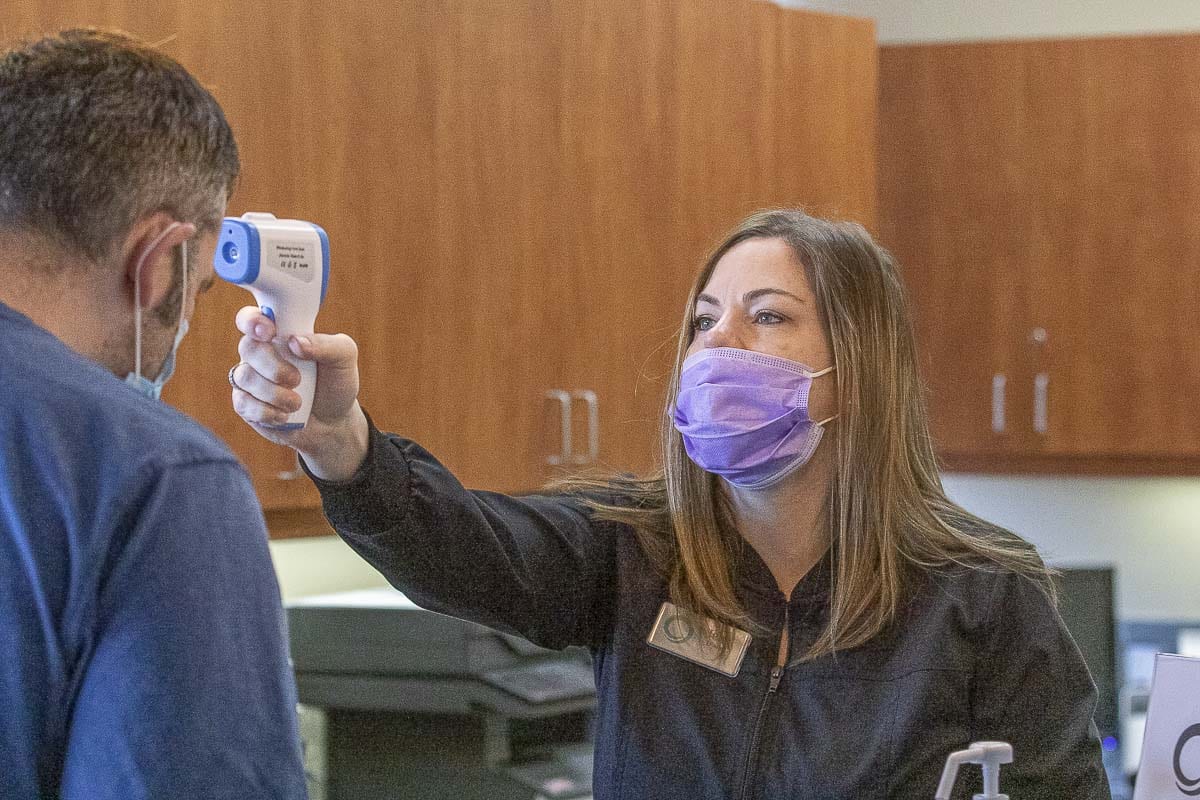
{"points": [[888, 515]]}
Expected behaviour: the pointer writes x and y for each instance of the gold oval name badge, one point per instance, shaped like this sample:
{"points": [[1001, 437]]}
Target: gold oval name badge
{"points": [[690, 636]]}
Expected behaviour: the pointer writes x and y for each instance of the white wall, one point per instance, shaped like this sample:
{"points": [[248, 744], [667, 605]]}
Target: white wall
{"points": [[967, 20], [320, 565], [1148, 528]]}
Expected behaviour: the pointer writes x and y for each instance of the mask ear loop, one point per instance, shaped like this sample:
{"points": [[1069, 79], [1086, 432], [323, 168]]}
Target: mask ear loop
{"points": [[825, 371], [183, 292], [137, 296], [137, 321]]}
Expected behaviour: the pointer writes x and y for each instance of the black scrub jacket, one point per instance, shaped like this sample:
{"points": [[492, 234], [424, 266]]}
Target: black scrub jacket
{"points": [[976, 654]]}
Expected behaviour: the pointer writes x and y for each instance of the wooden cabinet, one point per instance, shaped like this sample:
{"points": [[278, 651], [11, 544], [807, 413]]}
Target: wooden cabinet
{"points": [[1043, 198], [517, 196]]}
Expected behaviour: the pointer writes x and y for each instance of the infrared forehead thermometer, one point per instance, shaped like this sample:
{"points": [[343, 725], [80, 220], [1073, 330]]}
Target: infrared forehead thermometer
{"points": [[285, 265]]}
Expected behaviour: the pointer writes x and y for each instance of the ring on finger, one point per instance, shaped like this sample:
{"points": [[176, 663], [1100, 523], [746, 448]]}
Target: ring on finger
{"points": [[233, 369]]}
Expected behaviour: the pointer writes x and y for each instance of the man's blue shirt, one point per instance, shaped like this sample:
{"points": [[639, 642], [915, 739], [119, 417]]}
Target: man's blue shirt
{"points": [[143, 652]]}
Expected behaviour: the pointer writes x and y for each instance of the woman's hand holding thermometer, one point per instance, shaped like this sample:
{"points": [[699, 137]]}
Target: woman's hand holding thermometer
{"points": [[276, 386], [285, 265], [334, 442]]}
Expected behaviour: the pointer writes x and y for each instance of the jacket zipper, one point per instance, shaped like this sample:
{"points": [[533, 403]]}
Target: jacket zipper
{"points": [[776, 678]]}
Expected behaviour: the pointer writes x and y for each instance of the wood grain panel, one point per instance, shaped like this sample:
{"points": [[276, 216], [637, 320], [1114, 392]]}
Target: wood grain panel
{"points": [[1051, 185], [698, 116], [826, 118], [622, 282], [1124, 302], [951, 205]]}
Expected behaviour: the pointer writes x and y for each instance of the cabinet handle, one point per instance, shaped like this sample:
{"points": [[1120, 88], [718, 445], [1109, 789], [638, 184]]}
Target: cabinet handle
{"points": [[564, 400], [593, 404], [999, 384], [292, 474], [1041, 402]]}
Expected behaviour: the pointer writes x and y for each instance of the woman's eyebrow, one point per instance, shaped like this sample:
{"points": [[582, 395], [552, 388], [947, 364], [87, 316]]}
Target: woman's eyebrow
{"points": [[752, 295], [749, 297]]}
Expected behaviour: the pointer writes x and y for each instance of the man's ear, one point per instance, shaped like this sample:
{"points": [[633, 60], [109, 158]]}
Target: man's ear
{"points": [[148, 248]]}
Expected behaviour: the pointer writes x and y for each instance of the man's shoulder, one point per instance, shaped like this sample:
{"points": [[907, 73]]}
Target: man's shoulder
{"points": [[140, 432], [57, 401], [166, 435]]}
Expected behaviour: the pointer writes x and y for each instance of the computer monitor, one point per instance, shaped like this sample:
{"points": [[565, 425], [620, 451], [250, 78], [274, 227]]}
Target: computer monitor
{"points": [[1086, 602]]}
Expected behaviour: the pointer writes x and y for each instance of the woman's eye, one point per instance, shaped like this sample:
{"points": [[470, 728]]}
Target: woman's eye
{"points": [[703, 323], [767, 318]]}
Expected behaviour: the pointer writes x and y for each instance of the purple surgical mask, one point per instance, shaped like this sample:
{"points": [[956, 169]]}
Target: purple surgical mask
{"points": [[744, 415]]}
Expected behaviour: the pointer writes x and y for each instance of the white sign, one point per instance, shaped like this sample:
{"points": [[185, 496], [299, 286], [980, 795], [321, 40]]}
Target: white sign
{"points": [[1170, 768]]}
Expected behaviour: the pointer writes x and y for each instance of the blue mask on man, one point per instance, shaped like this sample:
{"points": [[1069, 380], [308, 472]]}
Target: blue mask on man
{"points": [[153, 388]]}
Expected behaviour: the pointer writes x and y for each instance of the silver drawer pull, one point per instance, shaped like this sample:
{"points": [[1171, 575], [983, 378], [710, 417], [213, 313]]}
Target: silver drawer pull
{"points": [[564, 400], [999, 385], [1041, 402], [593, 404]]}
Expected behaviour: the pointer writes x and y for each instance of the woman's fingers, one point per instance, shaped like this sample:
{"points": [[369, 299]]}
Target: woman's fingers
{"points": [[267, 360], [253, 410], [336, 350], [251, 381], [336, 356], [252, 322], [265, 378]]}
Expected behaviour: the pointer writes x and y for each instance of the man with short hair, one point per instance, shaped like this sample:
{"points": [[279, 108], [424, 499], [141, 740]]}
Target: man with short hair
{"points": [[144, 646]]}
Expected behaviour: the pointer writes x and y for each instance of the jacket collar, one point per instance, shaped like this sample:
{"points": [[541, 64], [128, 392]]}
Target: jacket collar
{"points": [[757, 588]]}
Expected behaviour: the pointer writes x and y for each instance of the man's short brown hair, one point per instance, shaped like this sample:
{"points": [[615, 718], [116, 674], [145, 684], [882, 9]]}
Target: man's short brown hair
{"points": [[96, 130]]}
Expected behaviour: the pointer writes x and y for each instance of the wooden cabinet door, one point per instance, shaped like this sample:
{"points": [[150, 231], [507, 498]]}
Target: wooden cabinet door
{"points": [[464, 337], [620, 286], [953, 185], [1117, 288], [1041, 197]]}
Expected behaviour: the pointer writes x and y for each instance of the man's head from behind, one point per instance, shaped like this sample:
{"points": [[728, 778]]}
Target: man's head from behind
{"points": [[105, 145]]}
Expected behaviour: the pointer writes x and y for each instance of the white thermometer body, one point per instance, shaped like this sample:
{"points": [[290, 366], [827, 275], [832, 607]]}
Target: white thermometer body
{"points": [[285, 265]]}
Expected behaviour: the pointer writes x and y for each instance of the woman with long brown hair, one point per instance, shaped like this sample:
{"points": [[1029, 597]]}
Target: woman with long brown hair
{"points": [[793, 607]]}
